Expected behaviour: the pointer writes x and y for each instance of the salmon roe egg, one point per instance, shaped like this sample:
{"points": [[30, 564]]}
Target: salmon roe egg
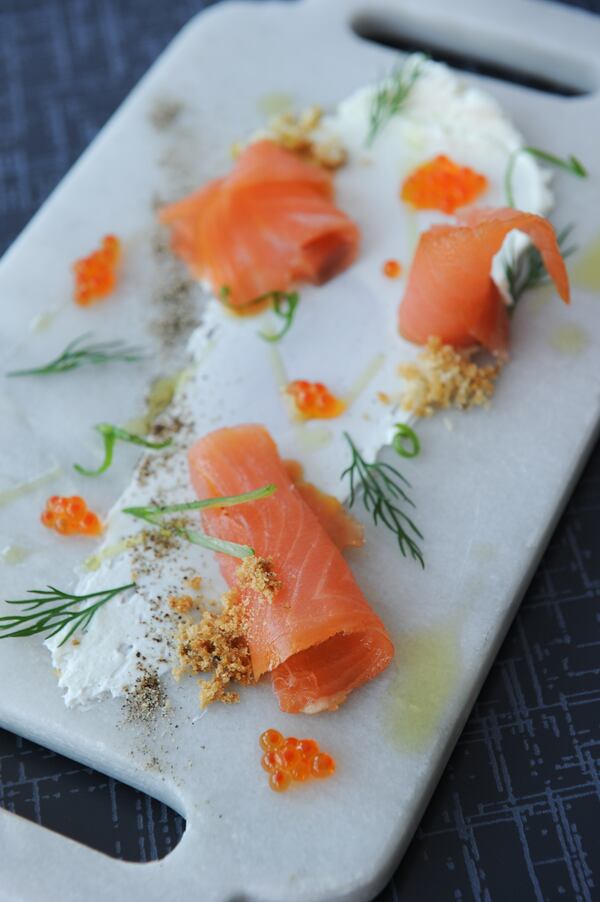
{"points": [[301, 771], [279, 780], [63, 526], [392, 269], [289, 755], [323, 765], [96, 274], [308, 748], [270, 761], [270, 739], [313, 400], [70, 516], [75, 506]]}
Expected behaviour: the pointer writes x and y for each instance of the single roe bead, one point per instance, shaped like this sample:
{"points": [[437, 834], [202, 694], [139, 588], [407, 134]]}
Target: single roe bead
{"points": [[289, 755], [271, 739], [392, 269], [323, 765], [270, 761], [308, 748], [76, 506], [279, 781], [301, 771]]}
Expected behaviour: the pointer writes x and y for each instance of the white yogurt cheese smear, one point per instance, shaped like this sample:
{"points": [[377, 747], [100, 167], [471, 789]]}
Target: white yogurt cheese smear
{"points": [[344, 334]]}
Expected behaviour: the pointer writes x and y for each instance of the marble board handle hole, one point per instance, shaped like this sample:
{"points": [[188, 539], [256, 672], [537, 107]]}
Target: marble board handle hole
{"points": [[84, 805], [484, 51]]}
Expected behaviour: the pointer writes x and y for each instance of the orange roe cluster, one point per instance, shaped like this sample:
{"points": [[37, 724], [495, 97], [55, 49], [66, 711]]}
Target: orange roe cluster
{"points": [[314, 401], [70, 516], [441, 184], [289, 760], [392, 269], [96, 274]]}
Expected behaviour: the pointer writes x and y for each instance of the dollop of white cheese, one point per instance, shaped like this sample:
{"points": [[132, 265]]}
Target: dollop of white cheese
{"points": [[443, 114]]}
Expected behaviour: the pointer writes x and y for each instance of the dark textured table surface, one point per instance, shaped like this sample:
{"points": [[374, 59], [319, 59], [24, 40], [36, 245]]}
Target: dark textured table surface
{"points": [[517, 812]]}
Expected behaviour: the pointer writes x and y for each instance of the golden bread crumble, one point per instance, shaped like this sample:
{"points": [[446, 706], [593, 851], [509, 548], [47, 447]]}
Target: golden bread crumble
{"points": [[257, 575], [181, 604], [443, 377], [217, 644], [297, 134]]}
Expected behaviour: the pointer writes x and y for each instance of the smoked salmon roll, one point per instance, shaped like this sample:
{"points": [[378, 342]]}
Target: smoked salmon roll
{"points": [[316, 633], [268, 225]]}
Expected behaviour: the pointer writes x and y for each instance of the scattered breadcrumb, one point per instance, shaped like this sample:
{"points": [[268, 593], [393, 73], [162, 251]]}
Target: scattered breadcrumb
{"points": [[384, 397], [194, 582], [217, 643], [301, 135], [182, 604], [257, 573], [442, 377]]}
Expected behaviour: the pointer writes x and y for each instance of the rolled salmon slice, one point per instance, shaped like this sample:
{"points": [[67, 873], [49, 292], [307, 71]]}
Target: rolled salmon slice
{"points": [[318, 635], [266, 226], [450, 293]]}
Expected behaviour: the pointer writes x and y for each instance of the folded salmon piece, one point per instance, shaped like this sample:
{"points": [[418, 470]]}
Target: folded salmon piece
{"points": [[264, 227], [318, 636], [450, 293]]}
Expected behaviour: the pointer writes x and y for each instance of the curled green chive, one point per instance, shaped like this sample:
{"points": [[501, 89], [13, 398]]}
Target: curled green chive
{"points": [[110, 436], [406, 441]]}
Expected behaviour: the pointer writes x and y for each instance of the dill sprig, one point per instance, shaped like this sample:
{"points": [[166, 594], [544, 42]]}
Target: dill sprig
{"points": [[110, 435], [569, 164], [51, 610], [528, 270], [284, 306], [382, 488], [391, 96], [155, 517], [77, 354]]}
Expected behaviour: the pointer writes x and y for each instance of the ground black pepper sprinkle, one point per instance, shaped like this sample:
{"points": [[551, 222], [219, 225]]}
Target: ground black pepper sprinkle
{"points": [[164, 112], [146, 700], [176, 298]]}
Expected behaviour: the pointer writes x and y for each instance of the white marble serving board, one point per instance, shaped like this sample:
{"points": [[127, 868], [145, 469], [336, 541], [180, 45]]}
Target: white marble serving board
{"points": [[489, 484]]}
